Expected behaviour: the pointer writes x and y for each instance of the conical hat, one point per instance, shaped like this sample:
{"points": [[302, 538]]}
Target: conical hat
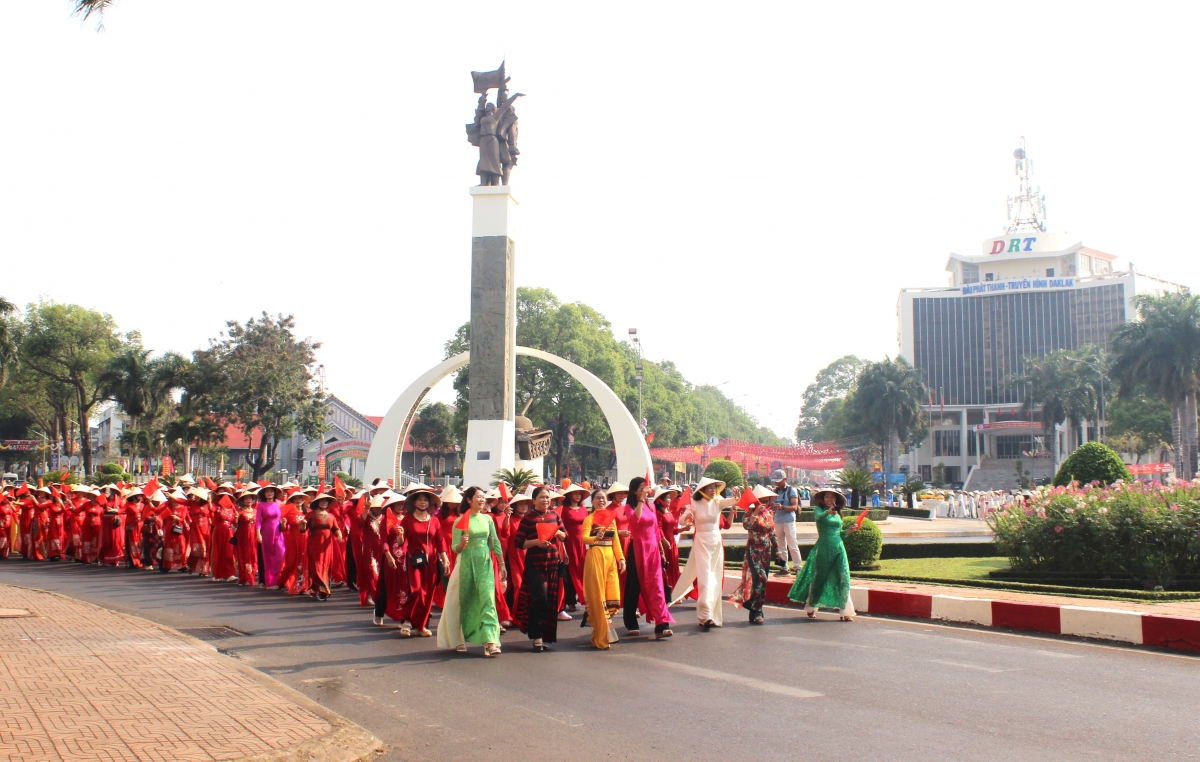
{"points": [[704, 482], [762, 492], [451, 495], [615, 488]]}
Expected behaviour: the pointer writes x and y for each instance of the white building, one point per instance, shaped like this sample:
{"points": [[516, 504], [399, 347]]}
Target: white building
{"points": [[1027, 292]]}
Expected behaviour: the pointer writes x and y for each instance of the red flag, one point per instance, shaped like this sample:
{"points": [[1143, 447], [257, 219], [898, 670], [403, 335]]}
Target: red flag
{"points": [[339, 488], [225, 502], [861, 516], [40, 484], [23, 489], [210, 483], [650, 437], [464, 521], [747, 499], [240, 473], [505, 495], [263, 484], [603, 517], [546, 530], [681, 502], [150, 488]]}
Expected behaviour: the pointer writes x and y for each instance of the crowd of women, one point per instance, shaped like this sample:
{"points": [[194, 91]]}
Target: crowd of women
{"points": [[488, 560]]}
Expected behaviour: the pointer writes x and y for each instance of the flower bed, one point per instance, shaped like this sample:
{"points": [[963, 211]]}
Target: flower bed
{"points": [[1138, 531]]}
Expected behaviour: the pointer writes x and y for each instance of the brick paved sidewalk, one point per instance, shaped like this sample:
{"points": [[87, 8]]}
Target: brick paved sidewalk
{"points": [[78, 682]]}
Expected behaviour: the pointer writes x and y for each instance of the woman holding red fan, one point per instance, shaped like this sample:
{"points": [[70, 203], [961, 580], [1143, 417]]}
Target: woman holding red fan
{"points": [[601, 569], [540, 530], [824, 580], [761, 549], [469, 615]]}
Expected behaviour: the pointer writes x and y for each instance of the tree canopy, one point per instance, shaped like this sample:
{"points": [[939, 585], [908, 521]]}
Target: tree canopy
{"points": [[822, 398], [259, 377], [675, 409]]}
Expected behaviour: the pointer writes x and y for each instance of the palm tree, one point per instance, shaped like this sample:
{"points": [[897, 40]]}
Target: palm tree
{"points": [[1162, 351], [517, 479], [1065, 384], [887, 404], [127, 379], [858, 481]]}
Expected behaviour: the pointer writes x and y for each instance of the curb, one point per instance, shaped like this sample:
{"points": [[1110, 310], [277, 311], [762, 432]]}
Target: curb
{"points": [[346, 741], [1171, 632]]}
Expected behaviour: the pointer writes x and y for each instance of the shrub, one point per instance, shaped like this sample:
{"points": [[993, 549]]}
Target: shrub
{"points": [[864, 546], [1128, 530], [111, 468], [54, 477], [726, 471], [1093, 462]]}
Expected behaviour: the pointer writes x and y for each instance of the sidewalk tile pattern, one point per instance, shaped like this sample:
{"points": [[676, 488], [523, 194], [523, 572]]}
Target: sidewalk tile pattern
{"points": [[79, 682]]}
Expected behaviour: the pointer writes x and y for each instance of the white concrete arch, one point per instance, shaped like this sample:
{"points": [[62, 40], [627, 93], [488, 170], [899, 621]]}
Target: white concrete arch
{"points": [[633, 456]]}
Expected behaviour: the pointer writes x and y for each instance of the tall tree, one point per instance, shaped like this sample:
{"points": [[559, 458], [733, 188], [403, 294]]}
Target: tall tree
{"points": [[886, 405], [71, 345], [9, 330], [833, 382], [260, 378], [1161, 351], [1139, 423], [433, 430], [1066, 384]]}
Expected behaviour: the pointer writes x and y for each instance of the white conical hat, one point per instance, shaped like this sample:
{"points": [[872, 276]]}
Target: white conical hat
{"points": [[704, 482], [762, 492], [615, 488], [451, 495]]}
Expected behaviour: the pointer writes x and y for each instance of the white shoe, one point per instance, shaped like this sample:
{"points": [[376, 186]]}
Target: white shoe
{"points": [[564, 616]]}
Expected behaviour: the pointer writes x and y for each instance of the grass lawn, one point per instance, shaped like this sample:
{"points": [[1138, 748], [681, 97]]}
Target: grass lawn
{"points": [[944, 568]]}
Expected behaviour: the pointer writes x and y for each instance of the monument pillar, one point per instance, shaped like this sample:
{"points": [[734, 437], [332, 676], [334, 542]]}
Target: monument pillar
{"points": [[491, 434]]}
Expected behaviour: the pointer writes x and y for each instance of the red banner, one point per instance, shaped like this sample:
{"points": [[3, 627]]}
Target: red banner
{"points": [[321, 469], [820, 456], [1139, 469]]}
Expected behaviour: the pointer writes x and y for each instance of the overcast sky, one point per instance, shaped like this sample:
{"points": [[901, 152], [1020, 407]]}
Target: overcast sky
{"points": [[748, 184]]}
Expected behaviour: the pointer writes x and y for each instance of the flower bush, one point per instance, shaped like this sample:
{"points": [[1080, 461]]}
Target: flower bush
{"points": [[1129, 530]]}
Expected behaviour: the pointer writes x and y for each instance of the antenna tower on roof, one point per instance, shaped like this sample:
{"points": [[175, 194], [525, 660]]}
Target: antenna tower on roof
{"points": [[1026, 210]]}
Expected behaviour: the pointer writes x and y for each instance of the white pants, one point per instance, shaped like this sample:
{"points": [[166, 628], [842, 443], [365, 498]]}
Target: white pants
{"points": [[785, 536]]}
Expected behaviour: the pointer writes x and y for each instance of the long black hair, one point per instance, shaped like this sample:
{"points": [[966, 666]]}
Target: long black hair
{"points": [[634, 485], [467, 494]]}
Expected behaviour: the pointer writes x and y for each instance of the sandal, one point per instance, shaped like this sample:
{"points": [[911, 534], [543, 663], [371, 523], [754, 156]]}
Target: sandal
{"points": [[491, 649], [406, 630], [633, 633], [757, 620], [663, 634], [461, 648], [377, 621], [425, 633]]}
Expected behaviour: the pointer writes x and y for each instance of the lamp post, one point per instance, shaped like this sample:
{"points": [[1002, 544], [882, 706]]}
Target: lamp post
{"points": [[637, 344]]}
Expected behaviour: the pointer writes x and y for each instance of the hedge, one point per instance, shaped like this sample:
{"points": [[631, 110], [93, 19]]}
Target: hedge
{"points": [[890, 550], [1129, 530], [874, 514], [1092, 462]]}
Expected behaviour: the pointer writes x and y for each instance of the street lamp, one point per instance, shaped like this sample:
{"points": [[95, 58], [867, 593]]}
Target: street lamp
{"points": [[637, 344]]}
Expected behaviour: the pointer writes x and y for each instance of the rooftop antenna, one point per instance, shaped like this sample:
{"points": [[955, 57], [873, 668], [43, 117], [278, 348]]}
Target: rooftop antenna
{"points": [[1026, 210]]}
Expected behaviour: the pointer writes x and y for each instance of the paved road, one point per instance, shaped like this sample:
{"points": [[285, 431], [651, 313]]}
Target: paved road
{"points": [[875, 689]]}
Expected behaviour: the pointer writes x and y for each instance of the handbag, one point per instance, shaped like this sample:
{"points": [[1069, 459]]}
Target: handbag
{"points": [[419, 559], [116, 521], [176, 529]]}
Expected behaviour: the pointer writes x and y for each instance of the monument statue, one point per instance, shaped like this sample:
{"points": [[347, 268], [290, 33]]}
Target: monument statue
{"points": [[494, 130]]}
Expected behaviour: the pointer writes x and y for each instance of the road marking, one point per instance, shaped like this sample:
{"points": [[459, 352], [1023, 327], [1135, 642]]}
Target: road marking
{"points": [[965, 665], [728, 677], [834, 643], [981, 644]]}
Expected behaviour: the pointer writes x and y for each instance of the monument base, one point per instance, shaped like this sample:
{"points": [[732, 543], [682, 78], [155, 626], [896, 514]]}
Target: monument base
{"points": [[491, 446], [537, 466]]}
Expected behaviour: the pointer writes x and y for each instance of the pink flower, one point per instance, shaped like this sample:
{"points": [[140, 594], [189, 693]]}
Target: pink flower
{"points": [[1174, 506], [1058, 529]]}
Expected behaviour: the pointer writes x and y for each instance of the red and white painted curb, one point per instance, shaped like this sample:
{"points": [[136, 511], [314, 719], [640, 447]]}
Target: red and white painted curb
{"points": [[1179, 633]]}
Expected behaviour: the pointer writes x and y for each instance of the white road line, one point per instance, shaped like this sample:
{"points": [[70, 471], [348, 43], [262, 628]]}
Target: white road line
{"points": [[727, 677], [964, 665], [833, 643], [989, 645]]}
